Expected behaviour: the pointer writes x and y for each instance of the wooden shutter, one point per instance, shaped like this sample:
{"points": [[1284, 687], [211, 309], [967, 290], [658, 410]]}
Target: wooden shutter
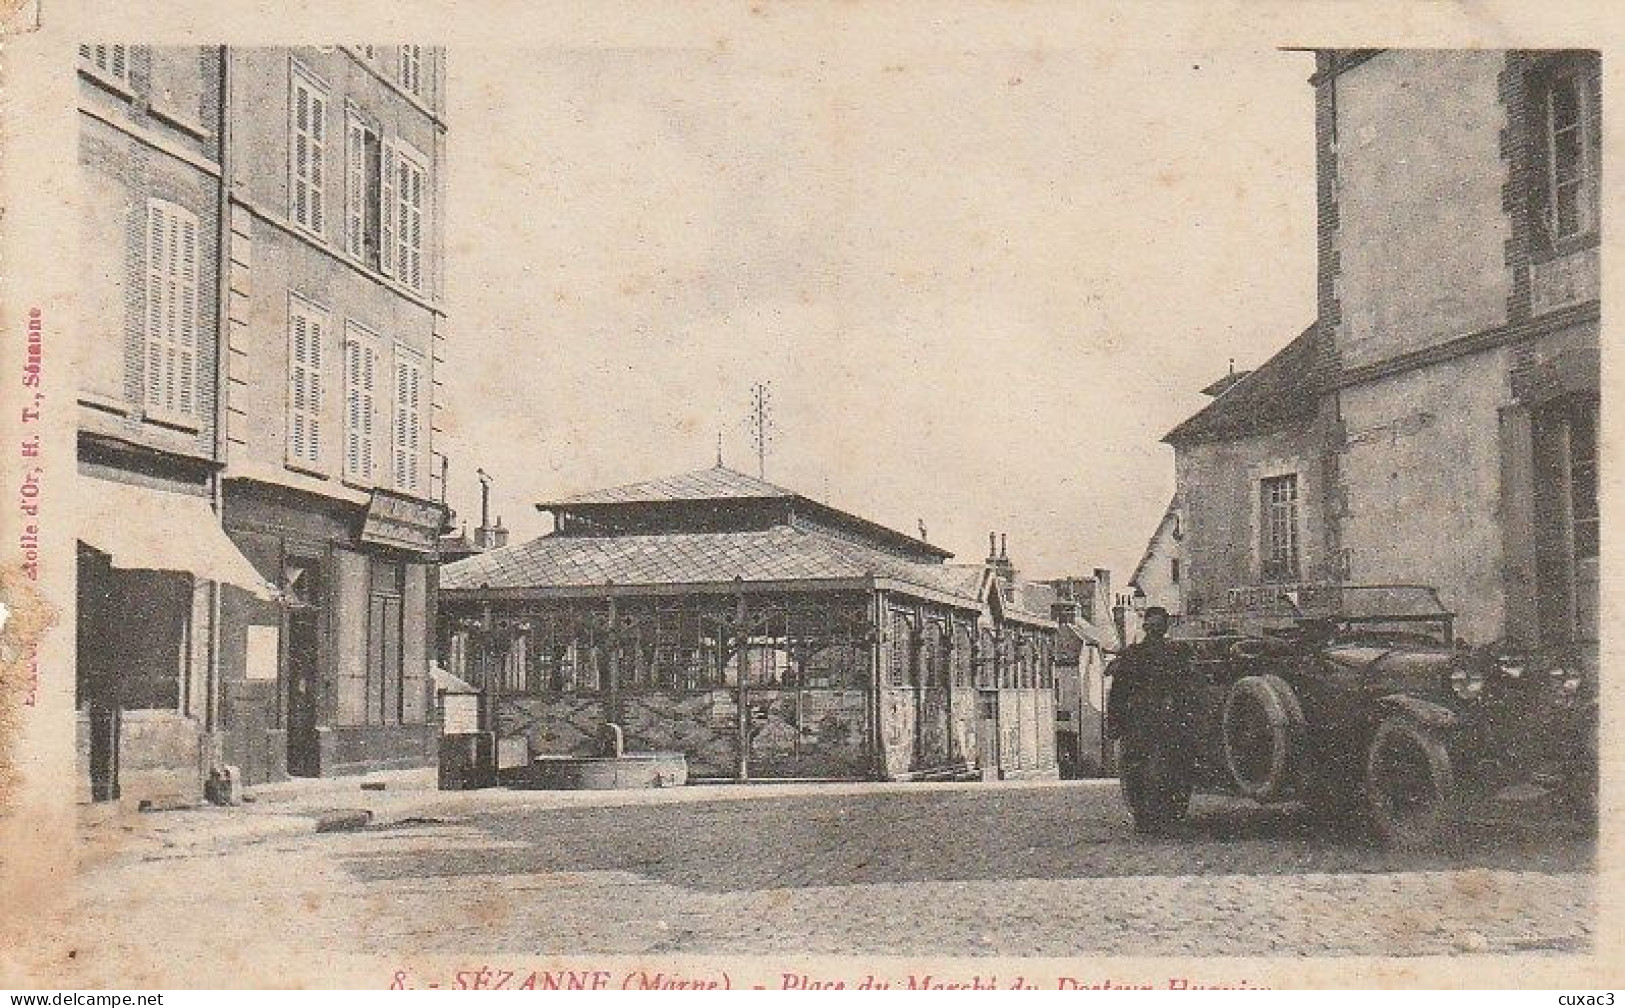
{"points": [[306, 187], [389, 211], [408, 420], [352, 408], [306, 327], [113, 60], [412, 68], [355, 186], [360, 406], [172, 309], [412, 225]]}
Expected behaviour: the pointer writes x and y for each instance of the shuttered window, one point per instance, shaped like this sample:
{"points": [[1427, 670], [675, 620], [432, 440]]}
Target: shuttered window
{"points": [[306, 147], [111, 60], [404, 197], [408, 419], [412, 69], [307, 327], [171, 331], [361, 190], [362, 424]]}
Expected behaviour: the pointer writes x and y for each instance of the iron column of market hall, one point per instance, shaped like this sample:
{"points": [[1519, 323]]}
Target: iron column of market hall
{"points": [[760, 633]]}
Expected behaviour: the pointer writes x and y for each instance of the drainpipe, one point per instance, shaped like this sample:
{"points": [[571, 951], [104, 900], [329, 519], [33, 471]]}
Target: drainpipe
{"points": [[877, 672], [221, 364]]}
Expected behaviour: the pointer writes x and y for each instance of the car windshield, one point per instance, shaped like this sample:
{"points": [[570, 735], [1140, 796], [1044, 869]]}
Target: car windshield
{"points": [[1394, 633], [1368, 602]]}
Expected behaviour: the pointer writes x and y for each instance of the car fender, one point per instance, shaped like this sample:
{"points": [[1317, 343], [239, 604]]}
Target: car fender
{"points": [[1434, 715]]}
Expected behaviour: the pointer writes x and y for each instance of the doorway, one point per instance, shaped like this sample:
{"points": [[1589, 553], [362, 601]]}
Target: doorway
{"points": [[304, 757], [987, 734]]}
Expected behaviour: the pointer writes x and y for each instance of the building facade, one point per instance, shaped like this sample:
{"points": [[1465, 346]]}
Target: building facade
{"points": [[1158, 579], [762, 634], [1438, 423], [334, 324], [261, 316], [151, 556], [1085, 642]]}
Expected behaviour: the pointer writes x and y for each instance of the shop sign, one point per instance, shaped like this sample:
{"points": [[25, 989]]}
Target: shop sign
{"points": [[402, 522]]}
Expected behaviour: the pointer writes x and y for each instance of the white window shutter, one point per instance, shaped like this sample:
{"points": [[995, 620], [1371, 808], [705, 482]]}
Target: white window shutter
{"points": [[314, 397], [171, 354], [361, 405], [318, 133], [307, 198], [408, 428], [355, 186], [414, 237], [401, 421], [352, 408], [187, 320], [305, 331], [296, 388], [369, 408], [414, 445], [388, 209]]}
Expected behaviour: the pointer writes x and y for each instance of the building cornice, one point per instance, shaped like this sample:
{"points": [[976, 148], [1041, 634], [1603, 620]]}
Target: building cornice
{"points": [[1471, 343], [150, 138], [1342, 61]]}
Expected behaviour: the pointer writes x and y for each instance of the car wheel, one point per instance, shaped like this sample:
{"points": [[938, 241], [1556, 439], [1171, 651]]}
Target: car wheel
{"points": [[1156, 784], [1410, 784], [1262, 731]]}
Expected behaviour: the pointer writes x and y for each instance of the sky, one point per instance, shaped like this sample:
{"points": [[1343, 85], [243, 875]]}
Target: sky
{"points": [[981, 280]]}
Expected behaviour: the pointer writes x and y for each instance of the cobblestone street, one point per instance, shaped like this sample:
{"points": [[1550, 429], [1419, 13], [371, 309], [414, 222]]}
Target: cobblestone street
{"points": [[943, 870]]}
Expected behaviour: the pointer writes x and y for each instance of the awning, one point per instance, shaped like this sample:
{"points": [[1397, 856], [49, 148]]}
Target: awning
{"points": [[142, 528]]}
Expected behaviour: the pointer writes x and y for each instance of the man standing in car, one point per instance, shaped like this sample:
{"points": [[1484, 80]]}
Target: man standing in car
{"points": [[1149, 708]]}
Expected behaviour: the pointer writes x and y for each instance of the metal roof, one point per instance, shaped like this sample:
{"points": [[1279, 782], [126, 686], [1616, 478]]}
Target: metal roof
{"points": [[782, 553], [716, 483], [778, 555]]}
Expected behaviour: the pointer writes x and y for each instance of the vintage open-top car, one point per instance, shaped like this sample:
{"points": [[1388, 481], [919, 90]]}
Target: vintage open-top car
{"points": [[1359, 702]]}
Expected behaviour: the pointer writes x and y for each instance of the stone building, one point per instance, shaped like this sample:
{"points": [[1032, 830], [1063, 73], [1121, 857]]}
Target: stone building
{"points": [[761, 633], [334, 326], [151, 555], [1158, 579], [261, 316], [1086, 639], [1438, 423]]}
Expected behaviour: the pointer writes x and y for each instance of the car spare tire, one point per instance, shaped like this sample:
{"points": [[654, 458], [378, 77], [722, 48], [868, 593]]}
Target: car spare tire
{"points": [[1262, 730]]}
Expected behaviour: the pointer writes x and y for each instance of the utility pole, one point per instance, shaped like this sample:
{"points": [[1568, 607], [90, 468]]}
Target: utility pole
{"points": [[761, 423]]}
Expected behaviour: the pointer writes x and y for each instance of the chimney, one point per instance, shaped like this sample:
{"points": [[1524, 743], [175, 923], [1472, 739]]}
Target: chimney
{"points": [[488, 536], [1000, 561], [1101, 599]]}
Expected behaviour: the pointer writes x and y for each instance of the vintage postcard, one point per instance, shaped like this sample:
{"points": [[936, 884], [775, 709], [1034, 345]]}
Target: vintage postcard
{"points": [[813, 495]]}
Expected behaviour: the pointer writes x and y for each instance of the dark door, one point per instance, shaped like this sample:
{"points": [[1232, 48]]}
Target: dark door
{"points": [[97, 682], [104, 734], [304, 759], [987, 734]]}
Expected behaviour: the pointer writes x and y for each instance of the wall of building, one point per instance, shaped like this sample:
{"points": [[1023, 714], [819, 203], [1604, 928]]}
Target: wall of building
{"points": [[1156, 576], [1421, 240], [1219, 492], [1421, 475], [152, 138], [273, 261]]}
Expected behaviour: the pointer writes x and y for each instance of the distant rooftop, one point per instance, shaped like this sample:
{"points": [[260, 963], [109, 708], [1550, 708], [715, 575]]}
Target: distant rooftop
{"points": [[716, 483], [1286, 387], [711, 497]]}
